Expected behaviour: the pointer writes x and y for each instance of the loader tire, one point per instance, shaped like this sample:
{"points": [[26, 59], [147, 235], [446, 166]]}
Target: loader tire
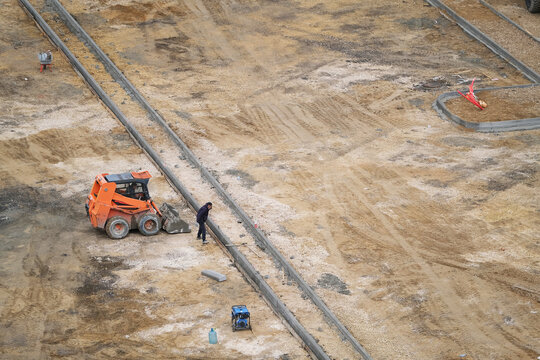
{"points": [[149, 224], [533, 5], [117, 227]]}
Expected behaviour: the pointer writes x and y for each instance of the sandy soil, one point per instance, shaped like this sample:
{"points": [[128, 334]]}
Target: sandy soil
{"points": [[513, 104], [421, 237], [66, 290], [516, 11], [503, 33]]}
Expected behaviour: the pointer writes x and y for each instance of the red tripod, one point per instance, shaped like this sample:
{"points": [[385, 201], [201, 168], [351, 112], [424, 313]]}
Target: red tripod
{"points": [[471, 97]]}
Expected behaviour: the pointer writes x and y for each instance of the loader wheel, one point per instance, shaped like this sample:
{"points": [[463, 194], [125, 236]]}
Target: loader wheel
{"points": [[149, 224], [533, 5], [117, 227]]}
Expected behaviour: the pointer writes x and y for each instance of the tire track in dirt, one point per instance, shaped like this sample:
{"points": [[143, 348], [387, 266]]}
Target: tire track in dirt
{"points": [[445, 288], [263, 121], [209, 31], [339, 196], [375, 120], [326, 107], [349, 185], [190, 175], [356, 179], [33, 305], [278, 115], [272, 122], [398, 99], [384, 102], [338, 200], [298, 122], [330, 112]]}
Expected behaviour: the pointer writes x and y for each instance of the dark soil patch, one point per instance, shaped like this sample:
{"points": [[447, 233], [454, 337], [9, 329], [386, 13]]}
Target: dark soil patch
{"points": [[524, 175], [247, 179], [332, 282], [175, 43], [32, 89], [183, 114], [418, 23], [432, 84], [460, 141], [436, 183], [18, 202], [100, 276]]}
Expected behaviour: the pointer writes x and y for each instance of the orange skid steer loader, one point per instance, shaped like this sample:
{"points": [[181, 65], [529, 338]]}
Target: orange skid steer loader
{"points": [[118, 203]]}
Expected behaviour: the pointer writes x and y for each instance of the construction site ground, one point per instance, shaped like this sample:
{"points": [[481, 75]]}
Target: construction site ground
{"points": [[502, 105], [422, 237]]}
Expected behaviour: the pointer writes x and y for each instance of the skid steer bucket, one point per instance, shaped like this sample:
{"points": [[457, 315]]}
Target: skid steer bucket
{"points": [[171, 220]]}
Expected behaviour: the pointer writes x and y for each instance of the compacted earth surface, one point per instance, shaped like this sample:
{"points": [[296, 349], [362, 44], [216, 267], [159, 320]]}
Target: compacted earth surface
{"points": [[502, 104], [422, 237]]}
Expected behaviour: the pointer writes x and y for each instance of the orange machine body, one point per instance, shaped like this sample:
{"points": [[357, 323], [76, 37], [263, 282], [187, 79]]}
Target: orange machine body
{"points": [[125, 195]]}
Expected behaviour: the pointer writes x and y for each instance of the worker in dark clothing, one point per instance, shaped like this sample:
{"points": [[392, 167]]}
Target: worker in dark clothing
{"points": [[202, 216]]}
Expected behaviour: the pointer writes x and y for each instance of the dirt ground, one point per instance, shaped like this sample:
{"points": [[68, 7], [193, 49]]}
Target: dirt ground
{"points": [[507, 104], [516, 11], [515, 41], [422, 237], [66, 290]]}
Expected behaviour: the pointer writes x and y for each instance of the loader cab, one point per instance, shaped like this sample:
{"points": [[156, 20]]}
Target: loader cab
{"points": [[128, 185]]}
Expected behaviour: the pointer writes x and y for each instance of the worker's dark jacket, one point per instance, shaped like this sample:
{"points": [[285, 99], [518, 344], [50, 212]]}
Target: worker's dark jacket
{"points": [[202, 214]]}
